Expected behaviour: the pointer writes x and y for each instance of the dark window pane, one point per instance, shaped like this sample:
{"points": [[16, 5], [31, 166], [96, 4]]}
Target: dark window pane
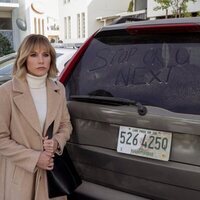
{"points": [[5, 24]]}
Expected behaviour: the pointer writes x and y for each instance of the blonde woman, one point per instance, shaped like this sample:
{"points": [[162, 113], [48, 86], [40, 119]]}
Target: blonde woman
{"points": [[28, 105]]}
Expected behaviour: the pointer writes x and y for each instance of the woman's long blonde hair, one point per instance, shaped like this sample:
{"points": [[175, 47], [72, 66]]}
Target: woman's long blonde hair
{"points": [[27, 46]]}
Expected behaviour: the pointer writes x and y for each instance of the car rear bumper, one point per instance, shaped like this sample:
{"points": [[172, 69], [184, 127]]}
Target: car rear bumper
{"points": [[91, 191]]}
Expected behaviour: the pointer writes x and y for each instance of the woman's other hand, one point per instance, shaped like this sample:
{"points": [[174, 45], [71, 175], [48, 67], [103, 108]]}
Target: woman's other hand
{"points": [[46, 161], [50, 145]]}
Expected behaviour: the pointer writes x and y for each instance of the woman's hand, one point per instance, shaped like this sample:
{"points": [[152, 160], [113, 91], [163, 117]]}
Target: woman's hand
{"points": [[50, 145], [46, 161]]}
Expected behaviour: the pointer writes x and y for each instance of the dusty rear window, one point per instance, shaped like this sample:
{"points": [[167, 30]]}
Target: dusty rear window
{"points": [[161, 70]]}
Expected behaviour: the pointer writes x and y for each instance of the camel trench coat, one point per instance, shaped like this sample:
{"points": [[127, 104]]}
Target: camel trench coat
{"points": [[21, 138]]}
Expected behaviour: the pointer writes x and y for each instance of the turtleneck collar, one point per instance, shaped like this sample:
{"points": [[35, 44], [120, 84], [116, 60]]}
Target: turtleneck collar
{"points": [[36, 82]]}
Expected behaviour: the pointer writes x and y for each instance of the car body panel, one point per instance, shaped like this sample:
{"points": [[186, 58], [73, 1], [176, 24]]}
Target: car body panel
{"points": [[91, 191], [96, 130], [168, 22], [93, 163]]}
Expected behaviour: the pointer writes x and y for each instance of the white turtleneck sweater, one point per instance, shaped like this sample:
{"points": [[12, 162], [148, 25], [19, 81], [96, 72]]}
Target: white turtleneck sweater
{"points": [[37, 87]]}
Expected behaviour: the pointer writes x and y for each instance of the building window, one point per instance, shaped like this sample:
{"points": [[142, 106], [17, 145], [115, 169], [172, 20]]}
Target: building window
{"points": [[66, 1], [35, 25], [78, 26], [65, 26], [39, 28], [43, 26], [5, 24], [83, 25], [69, 27]]}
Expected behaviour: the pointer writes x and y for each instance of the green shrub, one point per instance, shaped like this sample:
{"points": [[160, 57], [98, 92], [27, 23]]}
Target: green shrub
{"points": [[130, 7], [5, 46]]}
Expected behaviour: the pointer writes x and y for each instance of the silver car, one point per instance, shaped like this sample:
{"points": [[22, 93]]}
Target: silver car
{"points": [[63, 55], [6, 65]]}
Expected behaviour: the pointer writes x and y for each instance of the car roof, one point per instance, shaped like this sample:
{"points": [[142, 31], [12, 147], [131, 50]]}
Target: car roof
{"points": [[65, 50], [172, 21], [8, 57]]}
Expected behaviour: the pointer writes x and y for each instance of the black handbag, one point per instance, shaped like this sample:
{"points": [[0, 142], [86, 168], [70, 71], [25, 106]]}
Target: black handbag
{"points": [[64, 178]]}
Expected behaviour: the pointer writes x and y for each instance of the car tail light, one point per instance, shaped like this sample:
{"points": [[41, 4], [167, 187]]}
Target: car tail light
{"points": [[164, 28], [74, 60]]}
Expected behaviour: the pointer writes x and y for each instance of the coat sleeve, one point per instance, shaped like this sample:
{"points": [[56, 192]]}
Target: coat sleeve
{"points": [[65, 127], [9, 148]]}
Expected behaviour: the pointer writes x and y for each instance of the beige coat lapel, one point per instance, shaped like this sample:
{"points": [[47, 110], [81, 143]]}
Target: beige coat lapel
{"points": [[23, 100], [53, 102]]}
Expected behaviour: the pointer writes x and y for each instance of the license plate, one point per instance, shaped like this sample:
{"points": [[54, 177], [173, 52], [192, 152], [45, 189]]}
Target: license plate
{"points": [[144, 142]]}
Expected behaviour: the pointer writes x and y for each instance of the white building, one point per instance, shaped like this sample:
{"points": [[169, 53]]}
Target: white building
{"points": [[79, 19], [71, 21], [139, 12], [29, 16], [6, 18]]}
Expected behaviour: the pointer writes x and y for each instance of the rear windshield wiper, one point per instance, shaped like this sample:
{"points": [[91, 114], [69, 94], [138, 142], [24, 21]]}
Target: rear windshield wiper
{"points": [[114, 101]]}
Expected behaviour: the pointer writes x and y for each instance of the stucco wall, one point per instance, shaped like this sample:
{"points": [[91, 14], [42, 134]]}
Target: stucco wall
{"points": [[104, 8], [92, 10]]}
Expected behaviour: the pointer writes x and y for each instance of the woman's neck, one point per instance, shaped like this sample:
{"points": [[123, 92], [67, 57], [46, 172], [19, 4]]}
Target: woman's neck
{"points": [[35, 82]]}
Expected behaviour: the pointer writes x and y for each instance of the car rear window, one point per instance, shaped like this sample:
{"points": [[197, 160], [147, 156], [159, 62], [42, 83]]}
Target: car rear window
{"points": [[160, 69]]}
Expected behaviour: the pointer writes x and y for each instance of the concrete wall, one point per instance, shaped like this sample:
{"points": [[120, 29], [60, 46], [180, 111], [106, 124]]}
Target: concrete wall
{"points": [[71, 9], [92, 10], [104, 8]]}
